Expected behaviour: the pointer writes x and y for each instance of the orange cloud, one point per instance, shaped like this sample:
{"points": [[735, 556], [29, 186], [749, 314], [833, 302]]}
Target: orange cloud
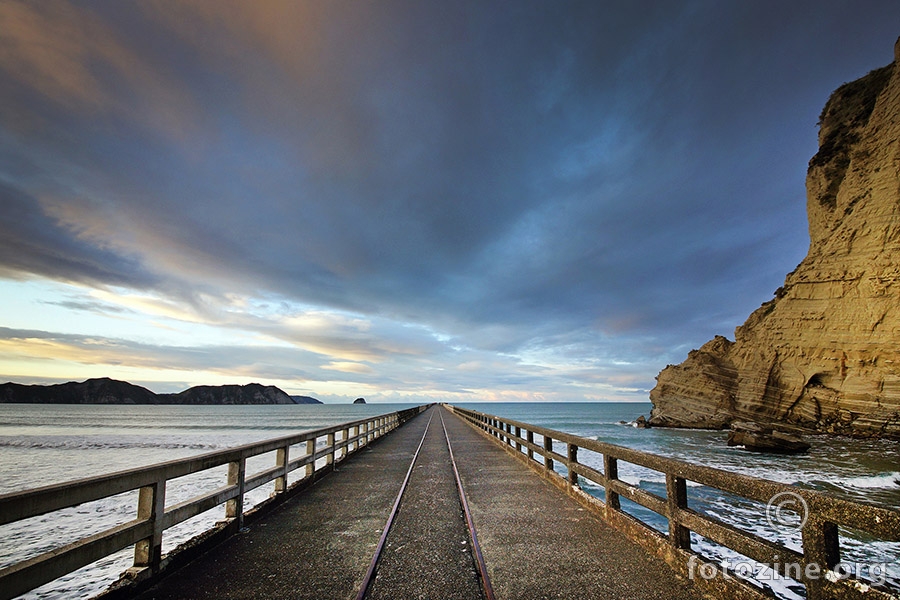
{"points": [[58, 50]]}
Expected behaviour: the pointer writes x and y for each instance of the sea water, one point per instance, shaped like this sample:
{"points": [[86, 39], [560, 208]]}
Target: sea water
{"points": [[47, 444], [854, 469]]}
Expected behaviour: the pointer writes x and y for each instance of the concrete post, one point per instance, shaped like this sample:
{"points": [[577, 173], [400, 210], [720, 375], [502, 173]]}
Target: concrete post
{"points": [[310, 450], [329, 441], [821, 548], [573, 459], [281, 460], [234, 508], [676, 493], [611, 470], [151, 506], [548, 446]]}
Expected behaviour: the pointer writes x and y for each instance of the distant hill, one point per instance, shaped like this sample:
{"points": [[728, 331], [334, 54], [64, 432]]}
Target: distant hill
{"points": [[252, 393], [92, 391], [305, 400], [111, 391]]}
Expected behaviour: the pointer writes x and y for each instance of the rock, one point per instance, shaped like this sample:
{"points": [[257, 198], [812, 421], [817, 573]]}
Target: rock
{"points": [[757, 438], [359, 401], [822, 354], [641, 422]]}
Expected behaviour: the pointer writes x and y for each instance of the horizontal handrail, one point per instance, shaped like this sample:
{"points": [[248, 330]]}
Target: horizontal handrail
{"points": [[824, 512], [153, 517]]}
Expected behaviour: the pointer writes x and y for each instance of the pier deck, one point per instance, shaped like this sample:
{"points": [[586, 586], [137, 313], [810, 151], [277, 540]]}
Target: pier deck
{"points": [[537, 542]]}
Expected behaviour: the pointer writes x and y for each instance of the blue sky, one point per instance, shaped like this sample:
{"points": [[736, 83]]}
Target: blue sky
{"points": [[405, 200]]}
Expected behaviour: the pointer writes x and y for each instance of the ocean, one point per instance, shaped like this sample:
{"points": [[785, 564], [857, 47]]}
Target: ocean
{"points": [[46, 444]]}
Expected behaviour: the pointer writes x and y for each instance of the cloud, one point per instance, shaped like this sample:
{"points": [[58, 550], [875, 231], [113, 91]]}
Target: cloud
{"points": [[63, 54], [350, 367], [31, 241], [397, 192]]}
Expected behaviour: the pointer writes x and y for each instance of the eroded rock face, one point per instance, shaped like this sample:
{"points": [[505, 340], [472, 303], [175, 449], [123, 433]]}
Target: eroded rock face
{"points": [[823, 354]]}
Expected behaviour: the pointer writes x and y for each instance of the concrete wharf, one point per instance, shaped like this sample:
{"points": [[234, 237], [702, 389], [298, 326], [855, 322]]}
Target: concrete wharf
{"points": [[538, 542], [452, 504]]}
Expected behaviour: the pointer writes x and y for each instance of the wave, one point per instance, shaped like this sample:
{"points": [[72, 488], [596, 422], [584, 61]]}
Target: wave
{"points": [[890, 480], [84, 444]]}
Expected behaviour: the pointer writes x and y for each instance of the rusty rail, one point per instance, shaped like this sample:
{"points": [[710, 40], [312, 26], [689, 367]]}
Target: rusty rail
{"points": [[814, 566], [483, 575], [153, 517]]}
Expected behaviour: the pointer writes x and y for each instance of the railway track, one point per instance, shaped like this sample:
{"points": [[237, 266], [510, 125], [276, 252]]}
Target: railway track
{"points": [[420, 552]]}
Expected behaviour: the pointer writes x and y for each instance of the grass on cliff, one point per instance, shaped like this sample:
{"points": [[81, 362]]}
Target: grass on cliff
{"points": [[843, 117]]}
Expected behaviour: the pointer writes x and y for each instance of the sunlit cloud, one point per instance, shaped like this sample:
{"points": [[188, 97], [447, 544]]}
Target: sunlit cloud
{"points": [[350, 367]]}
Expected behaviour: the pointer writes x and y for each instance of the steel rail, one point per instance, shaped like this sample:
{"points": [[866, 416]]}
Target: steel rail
{"points": [[370, 573], [476, 547]]}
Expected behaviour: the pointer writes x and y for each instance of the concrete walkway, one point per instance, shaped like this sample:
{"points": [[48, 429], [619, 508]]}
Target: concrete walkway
{"points": [[537, 542]]}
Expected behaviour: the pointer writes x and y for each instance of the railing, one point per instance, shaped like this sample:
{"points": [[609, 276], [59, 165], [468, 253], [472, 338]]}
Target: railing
{"points": [[815, 567], [153, 517]]}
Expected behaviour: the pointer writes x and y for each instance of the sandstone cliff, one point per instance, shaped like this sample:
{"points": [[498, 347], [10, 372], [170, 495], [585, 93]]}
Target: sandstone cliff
{"points": [[824, 354]]}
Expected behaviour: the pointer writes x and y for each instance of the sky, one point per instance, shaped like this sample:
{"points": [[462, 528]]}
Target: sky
{"points": [[405, 200]]}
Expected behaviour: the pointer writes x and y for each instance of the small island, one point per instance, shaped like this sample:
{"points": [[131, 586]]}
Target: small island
{"points": [[359, 401]]}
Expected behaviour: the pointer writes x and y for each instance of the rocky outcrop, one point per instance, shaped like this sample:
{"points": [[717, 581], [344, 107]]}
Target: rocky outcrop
{"points": [[824, 353], [359, 401], [111, 391]]}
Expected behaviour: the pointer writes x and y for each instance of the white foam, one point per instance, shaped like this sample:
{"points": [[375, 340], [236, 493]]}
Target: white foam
{"points": [[882, 480]]}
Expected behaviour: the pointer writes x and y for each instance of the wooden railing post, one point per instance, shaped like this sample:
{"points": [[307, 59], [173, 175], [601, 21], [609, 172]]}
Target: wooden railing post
{"points": [[821, 551], [611, 471], [676, 493], [151, 506], [310, 450], [281, 460], [234, 508], [329, 441], [530, 437], [573, 460], [518, 436], [548, 446]]}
